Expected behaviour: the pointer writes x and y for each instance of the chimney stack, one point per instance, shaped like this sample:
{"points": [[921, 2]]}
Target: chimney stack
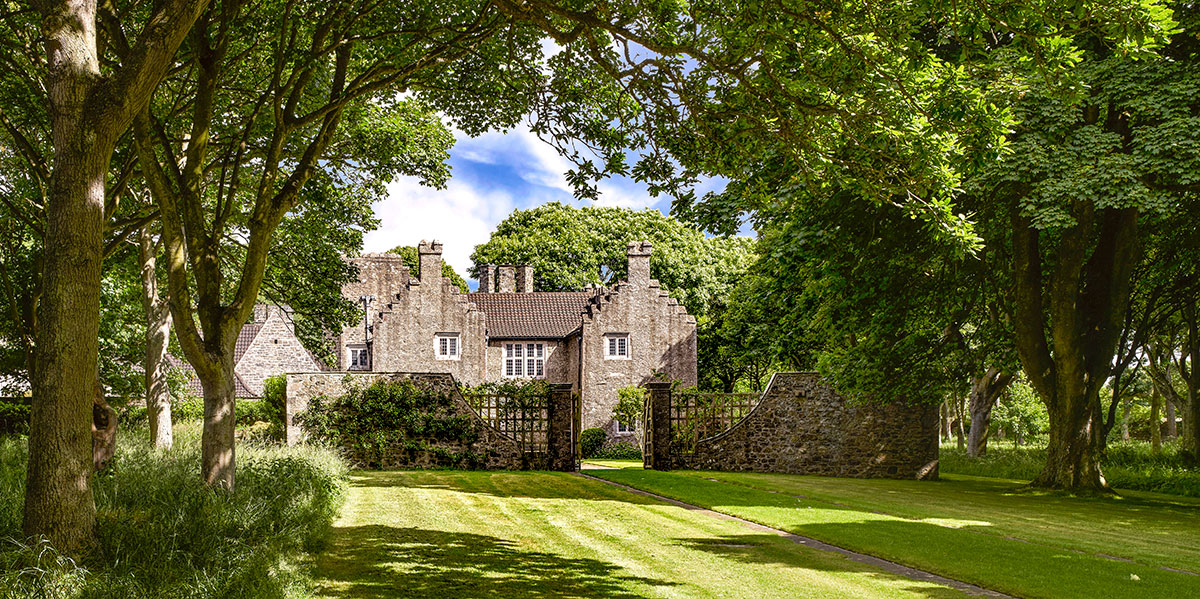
{"points": [[638, 253], [487, 278], [507, 278], [524, 278], [430, 262]]}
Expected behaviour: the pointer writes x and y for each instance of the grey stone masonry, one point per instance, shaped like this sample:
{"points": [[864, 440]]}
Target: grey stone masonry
{"points": [[802, 426], [524, 278], [487, 278], [657, 417], [598, 340], [659, 334], [561, 437], [507, 278]]}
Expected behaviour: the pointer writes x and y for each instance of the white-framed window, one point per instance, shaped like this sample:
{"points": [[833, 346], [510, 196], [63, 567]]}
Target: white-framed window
{"points": [[447, 346], [626, 428], [357, 357], [616, 346], [525, 360]]}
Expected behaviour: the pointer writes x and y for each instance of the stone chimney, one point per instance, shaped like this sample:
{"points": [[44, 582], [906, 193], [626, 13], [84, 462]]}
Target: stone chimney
{"points": [[430, 254], [487, 278], [264, 311], [507, 278], [639, 263], [524, 278]]}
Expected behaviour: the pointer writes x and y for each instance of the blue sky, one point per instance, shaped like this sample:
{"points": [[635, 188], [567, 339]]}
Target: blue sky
{"points": [[491, 176]]}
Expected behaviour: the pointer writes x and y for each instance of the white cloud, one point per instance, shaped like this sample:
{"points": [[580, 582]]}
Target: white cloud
{"points": [[460, 216], [465, 213]]}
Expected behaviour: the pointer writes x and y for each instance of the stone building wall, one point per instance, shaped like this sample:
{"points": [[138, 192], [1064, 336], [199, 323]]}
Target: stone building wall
{"points": [[802, 426], [662, 337], [274, 351], [407, 313], [557, 368]]}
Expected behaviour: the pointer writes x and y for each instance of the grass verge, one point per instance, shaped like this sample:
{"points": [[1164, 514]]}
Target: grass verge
{"points": [[986, 532], [161, 533], [1132, 465], [536, 534]]}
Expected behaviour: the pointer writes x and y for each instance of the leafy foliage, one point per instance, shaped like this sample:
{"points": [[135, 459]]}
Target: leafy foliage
{"points": [[572, 248], [619, 450], [631, 402], [590, 441], [1020, 413], [394, 422]]}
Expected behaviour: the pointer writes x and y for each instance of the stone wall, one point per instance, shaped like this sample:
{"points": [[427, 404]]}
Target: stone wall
{"points": [[407, 312], [802, 426], [274, 351], [498, 451], [662, 337]]}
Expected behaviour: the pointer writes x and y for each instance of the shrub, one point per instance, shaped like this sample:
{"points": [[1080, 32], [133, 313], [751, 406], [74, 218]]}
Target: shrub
{"points": [[187, 408], [631, 401], [162, 533], [621, 450], [395, 423], [590, 441], [14, 415]]}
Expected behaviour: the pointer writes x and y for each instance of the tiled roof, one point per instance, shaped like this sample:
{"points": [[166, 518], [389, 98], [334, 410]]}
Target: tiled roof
{"points": [[245, 338], [539, 315], [240, 389]]}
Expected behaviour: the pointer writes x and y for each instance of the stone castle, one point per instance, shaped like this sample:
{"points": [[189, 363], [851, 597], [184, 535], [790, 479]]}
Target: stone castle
{"points": [[597, 340]]}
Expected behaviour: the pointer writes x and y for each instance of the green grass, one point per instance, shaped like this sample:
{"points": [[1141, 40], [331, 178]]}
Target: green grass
{"points": [[1131, 465], [989, 532], [162, 533], [524, 534]]}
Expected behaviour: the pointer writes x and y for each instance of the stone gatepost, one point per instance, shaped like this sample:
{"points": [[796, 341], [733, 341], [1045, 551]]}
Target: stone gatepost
{"points": [[561, 434], [656, 453]]}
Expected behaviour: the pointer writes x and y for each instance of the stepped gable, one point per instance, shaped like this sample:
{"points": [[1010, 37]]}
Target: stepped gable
{"points": [[536, 315]]}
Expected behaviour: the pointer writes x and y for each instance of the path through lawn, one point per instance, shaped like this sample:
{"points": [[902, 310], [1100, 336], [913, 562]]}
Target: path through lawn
{"points": [[515, 535]]}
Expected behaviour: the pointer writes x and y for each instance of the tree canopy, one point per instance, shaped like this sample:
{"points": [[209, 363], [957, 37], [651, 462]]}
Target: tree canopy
{"points": [[571, 248]]}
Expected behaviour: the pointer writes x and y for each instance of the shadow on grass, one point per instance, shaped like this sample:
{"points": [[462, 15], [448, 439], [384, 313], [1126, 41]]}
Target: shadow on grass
{"points": [[381, 561]]}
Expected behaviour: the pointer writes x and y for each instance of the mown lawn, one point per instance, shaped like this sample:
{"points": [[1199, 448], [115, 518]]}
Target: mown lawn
{"points": [[989, 532], [513, 535]]}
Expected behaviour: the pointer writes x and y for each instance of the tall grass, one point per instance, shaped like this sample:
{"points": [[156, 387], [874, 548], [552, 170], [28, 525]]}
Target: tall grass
{"points": [[1127, 465], [161, 533]]}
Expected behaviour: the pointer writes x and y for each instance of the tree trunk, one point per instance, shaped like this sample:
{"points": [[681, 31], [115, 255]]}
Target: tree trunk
{"points": [[1125, 407], [217, 441], [958, 423], [945, 412], [1073, 454], [1066, 330], [158, 332], [985, 390], [1155, 419], [1191, 376], [1172, 425], [58, 493]]}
